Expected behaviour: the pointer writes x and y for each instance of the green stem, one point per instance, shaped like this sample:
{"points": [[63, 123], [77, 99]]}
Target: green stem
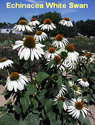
{"points": [[7, 72]]}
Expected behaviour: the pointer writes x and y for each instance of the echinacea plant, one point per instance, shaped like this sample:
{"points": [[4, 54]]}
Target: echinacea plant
{"points": [[63, 88]]}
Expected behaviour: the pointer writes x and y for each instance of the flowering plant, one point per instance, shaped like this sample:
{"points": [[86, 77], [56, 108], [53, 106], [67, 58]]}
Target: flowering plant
{"points": [[62, 89]]}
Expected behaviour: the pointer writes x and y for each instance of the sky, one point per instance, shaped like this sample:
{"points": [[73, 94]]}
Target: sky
{"points": [[12, 15]]}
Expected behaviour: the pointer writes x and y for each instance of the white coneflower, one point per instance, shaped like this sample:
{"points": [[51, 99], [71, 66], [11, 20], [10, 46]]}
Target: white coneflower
{"points": [[57, 62], [60, 41], [72, 54], [68, 65], [76, 108], [64, 55], [51, 53], [62, 52], [29, 48], [83, 82], [22, 26], [4, 62], [62, 90], [48, 25], [66, 22], [60, 64], [83, 99], [75, 88], [34, 22], [40, 36], [63, 99], [16, 81], [82, 58]]}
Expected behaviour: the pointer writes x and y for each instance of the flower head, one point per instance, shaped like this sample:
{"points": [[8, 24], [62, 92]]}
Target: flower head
{"points": [[40, 36], [29, 48], [51, 53], [63, 99], [66, 22], [63, 53], [73, 56], [57, 60], [22, 26], [62, 90], [29, 42], [70, 48], [22, 22], [14, 76], [16, 81], [33, 19], [60, 97], [75, 88], [66, 19], [47, 21], [76, 107], [34, 22], [4, 62], [60, 41], [47, 25], [83, 82]]}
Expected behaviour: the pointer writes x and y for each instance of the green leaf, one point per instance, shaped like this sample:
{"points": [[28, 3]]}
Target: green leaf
{"points": [[92, 78], [84, 121], [35, 111], [52, 117], [60, 105], [34, 103], [25, 103], [49, 105], [87, 121], [41, 76], [93, 87], [58, 122], [49, 64], [93, 96], [88, 96], [42, 97], [21, 122], [31, 119], [93, 100], [81, 119], [92, 67], [17, 108], [8, 119], [31, 89], [43, 114], [59, 82], [74, 78]]}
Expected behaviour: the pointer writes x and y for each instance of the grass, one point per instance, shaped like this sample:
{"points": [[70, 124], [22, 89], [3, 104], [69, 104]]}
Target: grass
{"points": [[83, 44]]}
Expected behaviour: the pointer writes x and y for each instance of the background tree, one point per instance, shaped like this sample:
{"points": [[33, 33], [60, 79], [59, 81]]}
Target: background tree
{"points": [[86, 28], [21, 18], [3, 24]]}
